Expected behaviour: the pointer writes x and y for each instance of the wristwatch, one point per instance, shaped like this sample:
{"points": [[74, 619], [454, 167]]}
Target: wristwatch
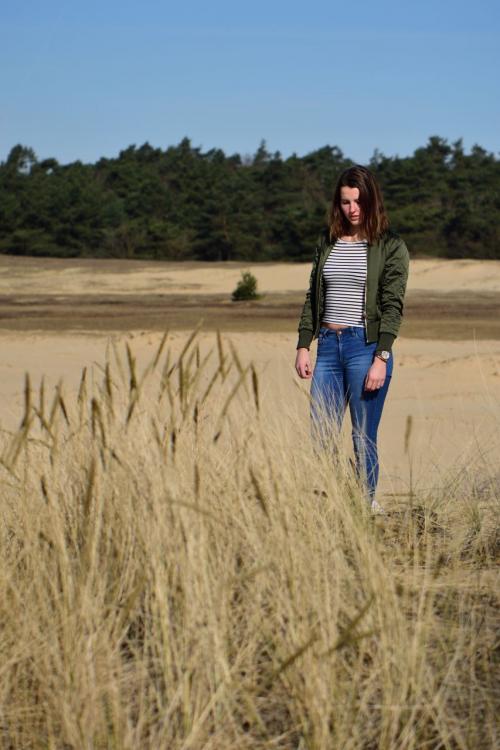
{"points": [[383, 355]]}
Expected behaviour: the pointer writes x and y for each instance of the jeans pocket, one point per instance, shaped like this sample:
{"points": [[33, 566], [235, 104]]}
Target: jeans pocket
{"points": [[360, 333], [321, 334]]}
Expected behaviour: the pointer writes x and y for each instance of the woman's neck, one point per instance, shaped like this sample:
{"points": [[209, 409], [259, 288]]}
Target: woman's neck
{"points": [[355, 237]]}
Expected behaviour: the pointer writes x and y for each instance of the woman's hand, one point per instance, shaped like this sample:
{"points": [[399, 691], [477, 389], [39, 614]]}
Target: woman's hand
{"points": [[303, 363], [376, 375]]}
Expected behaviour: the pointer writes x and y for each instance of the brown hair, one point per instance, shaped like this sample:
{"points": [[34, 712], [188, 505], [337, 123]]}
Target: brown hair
{"points": [[374, 221]]}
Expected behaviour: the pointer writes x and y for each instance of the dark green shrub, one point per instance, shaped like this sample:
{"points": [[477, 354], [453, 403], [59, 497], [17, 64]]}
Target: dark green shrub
{"points": [[246, 287]]}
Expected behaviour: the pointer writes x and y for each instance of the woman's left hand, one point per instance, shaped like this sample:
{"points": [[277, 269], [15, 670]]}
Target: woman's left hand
{"points": [[376, 375]]}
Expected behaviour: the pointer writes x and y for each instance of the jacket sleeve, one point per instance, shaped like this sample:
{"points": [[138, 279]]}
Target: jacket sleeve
{"points": [[306, 322], [395, 277]]}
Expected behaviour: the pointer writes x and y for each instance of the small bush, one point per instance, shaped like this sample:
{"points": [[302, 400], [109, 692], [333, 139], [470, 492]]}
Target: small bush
{"points": [[246, 288]]}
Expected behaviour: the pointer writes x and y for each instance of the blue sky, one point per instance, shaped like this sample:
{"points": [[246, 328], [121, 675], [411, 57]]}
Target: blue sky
{"points": [[80, 80]]}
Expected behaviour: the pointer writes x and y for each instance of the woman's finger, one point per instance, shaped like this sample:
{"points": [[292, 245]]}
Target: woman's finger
{"points": [[373, 385]]}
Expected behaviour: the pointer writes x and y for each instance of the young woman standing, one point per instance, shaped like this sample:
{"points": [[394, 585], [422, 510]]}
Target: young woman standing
{"points": [[354, 307]]}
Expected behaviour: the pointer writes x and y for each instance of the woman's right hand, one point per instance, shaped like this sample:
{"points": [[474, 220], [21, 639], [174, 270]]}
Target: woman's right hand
{"points": [[303, 363]]}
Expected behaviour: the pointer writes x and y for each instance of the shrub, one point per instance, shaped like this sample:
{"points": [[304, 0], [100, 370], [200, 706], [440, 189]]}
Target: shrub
{"points": [[246, 287]]}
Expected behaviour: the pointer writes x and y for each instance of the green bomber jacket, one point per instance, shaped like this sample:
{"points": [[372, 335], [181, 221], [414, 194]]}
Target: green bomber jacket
{"points": [[387, 274]]}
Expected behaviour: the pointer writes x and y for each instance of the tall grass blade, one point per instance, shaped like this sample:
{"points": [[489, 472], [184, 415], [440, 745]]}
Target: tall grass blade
{"points": [[191, 338], [222, 356], [259, 494], [97, 421], [348, 634], [231, 396], [159, 351], [41, 398], [108, 388], [27, 401], [131, 370], [255, 387], [62, 404], [408, 431], [287, 663]]}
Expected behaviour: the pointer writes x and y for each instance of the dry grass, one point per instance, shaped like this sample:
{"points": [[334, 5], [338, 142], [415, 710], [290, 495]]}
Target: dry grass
{"points": [[179, 570]]}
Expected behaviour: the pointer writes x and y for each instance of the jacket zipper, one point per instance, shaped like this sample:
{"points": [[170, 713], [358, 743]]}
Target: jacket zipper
{"points": [[366, 295], [321, 265]]}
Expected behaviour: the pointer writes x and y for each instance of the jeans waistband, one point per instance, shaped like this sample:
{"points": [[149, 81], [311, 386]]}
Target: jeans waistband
{"points": [[348, 331]]}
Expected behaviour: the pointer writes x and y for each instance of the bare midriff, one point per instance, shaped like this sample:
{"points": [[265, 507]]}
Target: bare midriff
{"points": [[334, 326]]}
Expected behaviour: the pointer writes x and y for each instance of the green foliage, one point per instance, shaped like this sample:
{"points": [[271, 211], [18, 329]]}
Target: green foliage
{"points": [[246, 289], [182, 203]]}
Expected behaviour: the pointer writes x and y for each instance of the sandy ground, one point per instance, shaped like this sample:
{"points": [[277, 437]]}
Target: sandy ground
{"points": [[456, 300], [451, 396], [449, 389], [28, 276]]}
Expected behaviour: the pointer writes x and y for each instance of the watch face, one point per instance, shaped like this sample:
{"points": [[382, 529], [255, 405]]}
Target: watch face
{"points": [[384, 355]]}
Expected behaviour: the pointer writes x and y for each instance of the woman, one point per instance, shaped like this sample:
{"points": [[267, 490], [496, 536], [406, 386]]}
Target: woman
{"points": [[354, 307]]}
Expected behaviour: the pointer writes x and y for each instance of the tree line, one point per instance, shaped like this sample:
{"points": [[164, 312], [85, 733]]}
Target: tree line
{"points": [[184, 204]]}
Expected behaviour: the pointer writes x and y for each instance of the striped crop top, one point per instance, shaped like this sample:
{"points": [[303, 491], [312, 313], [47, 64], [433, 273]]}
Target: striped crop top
{"points": [[344, 276]]}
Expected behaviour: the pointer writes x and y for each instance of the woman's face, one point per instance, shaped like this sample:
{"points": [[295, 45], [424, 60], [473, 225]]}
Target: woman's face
{"points": [[349, 203]]}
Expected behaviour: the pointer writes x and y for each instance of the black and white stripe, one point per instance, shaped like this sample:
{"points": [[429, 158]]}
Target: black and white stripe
{"points": [[344, 275]]}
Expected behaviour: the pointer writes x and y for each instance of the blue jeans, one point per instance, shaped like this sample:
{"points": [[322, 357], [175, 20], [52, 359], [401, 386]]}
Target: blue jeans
{"points": [[342, 364]]}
